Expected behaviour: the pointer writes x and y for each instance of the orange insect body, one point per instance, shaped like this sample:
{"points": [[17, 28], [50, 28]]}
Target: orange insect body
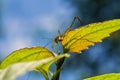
{"points": [[59, 38]]}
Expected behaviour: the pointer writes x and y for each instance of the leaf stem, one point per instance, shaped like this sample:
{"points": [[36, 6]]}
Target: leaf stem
{"points": [[59, 64]]}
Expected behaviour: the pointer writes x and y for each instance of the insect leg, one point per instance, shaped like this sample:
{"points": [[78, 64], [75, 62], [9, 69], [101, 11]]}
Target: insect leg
{"points": [[79, 20], [76, 17]]}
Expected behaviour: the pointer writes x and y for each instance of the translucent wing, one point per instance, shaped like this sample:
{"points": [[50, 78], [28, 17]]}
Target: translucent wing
{"points": [[80, 38]]}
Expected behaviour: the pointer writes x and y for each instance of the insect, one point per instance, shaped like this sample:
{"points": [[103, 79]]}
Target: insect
{"points": [[72, 41], [60, 36], [81, 38]]}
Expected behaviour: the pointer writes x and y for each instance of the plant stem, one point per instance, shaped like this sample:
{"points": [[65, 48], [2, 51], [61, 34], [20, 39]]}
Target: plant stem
{"points": [[59, 64]]}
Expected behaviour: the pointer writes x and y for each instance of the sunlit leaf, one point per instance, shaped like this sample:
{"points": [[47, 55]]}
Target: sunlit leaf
{"points": [[85, 36], [26, 55], [112, 76], [44, 68], [13, 71]]}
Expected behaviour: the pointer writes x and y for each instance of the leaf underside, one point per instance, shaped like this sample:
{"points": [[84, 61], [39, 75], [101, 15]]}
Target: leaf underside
{"points": [[13, 71], [85, 36], [27, 55]]}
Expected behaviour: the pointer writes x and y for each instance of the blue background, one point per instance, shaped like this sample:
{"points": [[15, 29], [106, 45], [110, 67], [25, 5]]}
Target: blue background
{"points": [[27, 23]]}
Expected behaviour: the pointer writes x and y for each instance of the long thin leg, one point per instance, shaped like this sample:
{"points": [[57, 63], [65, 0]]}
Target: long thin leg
{"points": [[76, 17]]}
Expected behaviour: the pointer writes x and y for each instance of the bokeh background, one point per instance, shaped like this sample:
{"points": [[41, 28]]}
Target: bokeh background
{"points": [[26, 23]]}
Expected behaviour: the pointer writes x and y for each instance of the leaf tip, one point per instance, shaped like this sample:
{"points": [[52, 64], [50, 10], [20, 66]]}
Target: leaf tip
{"points": [[67, 55]]}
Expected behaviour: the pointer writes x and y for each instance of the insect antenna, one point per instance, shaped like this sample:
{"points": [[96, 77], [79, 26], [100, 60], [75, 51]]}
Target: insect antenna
{"points": [[59, 33]]}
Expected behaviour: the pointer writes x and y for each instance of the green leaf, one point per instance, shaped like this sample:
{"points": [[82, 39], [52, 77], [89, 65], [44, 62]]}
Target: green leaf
{"points": [[26, 55], [111, 76], [44, 68], [85, 36], [13, 71]]}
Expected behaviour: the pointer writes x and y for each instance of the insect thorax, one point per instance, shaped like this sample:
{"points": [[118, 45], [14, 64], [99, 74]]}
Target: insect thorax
{"points": [[59, 38]]}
